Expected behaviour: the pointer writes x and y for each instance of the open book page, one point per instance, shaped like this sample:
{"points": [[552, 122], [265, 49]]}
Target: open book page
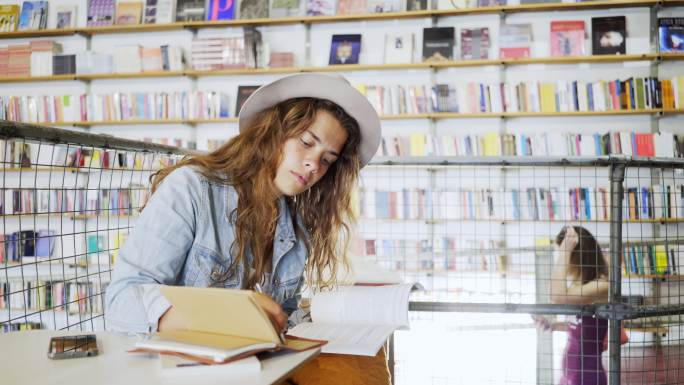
{"points": [[372, 305], [356, 319]]}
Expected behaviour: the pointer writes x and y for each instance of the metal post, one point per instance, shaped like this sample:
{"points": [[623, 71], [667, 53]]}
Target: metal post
{"points": [[617, 177]]}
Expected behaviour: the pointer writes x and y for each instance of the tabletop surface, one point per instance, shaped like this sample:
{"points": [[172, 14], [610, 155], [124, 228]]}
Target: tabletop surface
{"points": [[24, 360]]}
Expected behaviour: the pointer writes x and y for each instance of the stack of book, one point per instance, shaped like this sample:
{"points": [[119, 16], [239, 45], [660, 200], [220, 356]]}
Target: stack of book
{"points": [[4, 61], [19, 64], [42, 52], [218, 53]]}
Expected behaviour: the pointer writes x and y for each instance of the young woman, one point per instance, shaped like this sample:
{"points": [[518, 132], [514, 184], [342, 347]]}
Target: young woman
{"points": [[269, 209], [580, 276]]}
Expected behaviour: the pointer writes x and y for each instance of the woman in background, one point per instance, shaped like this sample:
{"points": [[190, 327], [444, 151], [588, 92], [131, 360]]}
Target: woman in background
{"points": [[580, 276]]}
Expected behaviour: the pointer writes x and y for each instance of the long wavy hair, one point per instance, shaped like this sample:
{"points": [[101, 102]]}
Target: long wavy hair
{"points": [[249, 162], [586, 260]]}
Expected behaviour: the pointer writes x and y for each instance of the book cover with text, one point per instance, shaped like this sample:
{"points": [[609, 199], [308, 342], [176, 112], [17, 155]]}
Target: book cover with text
{"points": [[567, 38], [190, 10], [671, 34], [345, 49], [33, 15], [254, 9], [320, 7], [9, 18], [474, 43], [515, 41], [222, 9], [438, 43], [608, 35]]}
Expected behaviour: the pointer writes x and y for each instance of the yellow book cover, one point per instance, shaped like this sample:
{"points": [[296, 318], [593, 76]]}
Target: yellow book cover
{"points": [[491, 144], [128, 13], [9, 18], [418, 144], [548, 97], [680, 90], [361, 88], [660, 259]]}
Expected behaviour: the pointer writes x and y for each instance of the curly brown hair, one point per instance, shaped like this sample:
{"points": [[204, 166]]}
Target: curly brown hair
{"points": [[249, 162]]}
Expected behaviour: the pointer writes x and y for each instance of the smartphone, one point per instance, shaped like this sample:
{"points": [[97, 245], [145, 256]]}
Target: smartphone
{"points": [[72, 347]]}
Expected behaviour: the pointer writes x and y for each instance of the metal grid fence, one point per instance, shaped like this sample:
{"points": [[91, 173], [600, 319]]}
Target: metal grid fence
{"points": [[477, 233]]}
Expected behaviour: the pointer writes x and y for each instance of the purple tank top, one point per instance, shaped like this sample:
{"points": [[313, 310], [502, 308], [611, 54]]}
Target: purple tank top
{"points": [[582, 360]]}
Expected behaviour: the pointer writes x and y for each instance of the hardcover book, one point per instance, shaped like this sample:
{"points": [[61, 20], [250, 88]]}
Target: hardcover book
{"points": [[474, 43], [608, 35], [438, 43], [320, 7], [33, 15], [567, 38], [243, 92], [9, 18], [190, 10], [100, 13], [345, 49], [671, 34], [128, 13], [398, 48], [159, 12], [66, 16], [285, 8], [253, 9], [515, 41]]}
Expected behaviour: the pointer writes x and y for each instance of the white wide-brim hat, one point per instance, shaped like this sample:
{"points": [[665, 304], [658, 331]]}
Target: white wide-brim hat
{"points": [[333, 88]]}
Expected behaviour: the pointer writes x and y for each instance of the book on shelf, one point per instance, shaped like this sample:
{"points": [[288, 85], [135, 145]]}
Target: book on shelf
{"points": [[66, 16], [33, 15], [89, 62], [128, 13], [356, 319], [398, 48], [243, 93], [285, 8], [127, 59], [609, 35], [345, 49], [351, 7], [321, 7], [382, 6], [101, 13], [456, 4], [172, 58], [281, 59], [490, 3], [9, 18], [159, 12], [204, 339], [417, 5], [567, 38], [253, 9], [515, 41], [474, 43], [656, 259], [190, 10], [671, 34], [438, 43], [218, 53], [225, 9]]}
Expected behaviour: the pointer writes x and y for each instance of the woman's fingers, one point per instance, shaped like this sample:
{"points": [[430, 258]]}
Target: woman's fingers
{"points": [[273, 310]]}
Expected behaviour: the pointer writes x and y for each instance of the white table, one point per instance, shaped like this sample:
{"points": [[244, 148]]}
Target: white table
{"points": [[23, 360]]}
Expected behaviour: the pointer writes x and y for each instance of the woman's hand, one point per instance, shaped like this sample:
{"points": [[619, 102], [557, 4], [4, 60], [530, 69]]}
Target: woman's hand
{"points": [[541, 322], [273, 310], [570, 241]]}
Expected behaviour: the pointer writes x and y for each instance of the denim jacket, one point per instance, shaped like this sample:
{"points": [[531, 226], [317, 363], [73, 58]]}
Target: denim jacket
{"points": [[183, 237]]}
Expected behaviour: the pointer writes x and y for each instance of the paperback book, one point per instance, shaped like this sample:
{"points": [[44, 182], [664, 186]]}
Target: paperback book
{"points": [[9, 18], [320, 7], [253, 9], [345, 49], [159, 12], [128, 13], [285, 8], [515, 41], [190, 10], [33, 15], [220, 9], [100, 13], [243, 92], [608, 35], [567, 38], [671, 34], [398, 48], [474, 43], [66, 16], [438, 43]]}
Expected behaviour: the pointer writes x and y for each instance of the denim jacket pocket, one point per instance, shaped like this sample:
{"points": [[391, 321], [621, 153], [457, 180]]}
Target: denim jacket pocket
{"points": [[286, 290], [206, 268]]}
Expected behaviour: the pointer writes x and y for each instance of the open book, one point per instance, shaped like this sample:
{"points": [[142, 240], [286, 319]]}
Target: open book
{"points": [[356, 319], [222, 325]]}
